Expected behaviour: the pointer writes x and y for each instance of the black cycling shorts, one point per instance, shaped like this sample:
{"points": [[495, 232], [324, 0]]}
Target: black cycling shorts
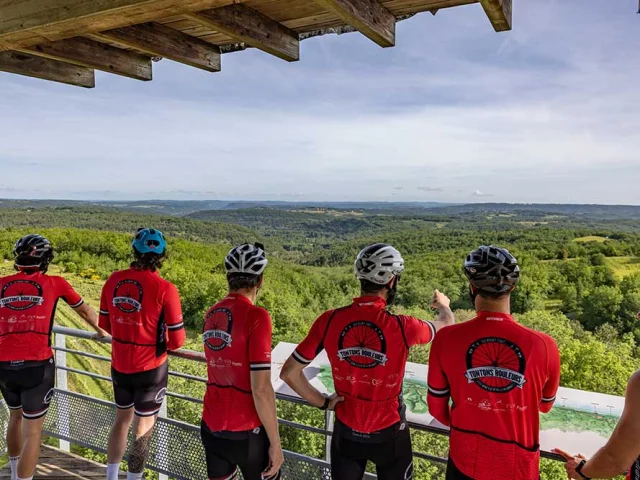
{"points": [[144, 391], [229, 451], [391, 454], [454, 474], [28, 386]]}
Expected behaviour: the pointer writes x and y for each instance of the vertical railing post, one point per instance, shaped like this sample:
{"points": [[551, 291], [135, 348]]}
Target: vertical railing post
{"points": [[163, 440], [328, 426], [62, 384]]}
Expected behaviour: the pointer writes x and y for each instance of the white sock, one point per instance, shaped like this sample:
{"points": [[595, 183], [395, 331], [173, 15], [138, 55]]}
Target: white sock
{"points": [[113, 469], [13, 461], [134, 476], [28, 478]]}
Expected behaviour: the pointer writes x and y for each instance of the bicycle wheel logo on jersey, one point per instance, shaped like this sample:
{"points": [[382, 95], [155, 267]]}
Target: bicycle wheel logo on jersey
{"points": [[127, 296], [496, 365], [218, 324], [363, 345], [21, 295]]}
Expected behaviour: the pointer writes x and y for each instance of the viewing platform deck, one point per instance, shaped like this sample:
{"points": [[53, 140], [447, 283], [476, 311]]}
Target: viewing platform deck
{"points": [[56, 464]]}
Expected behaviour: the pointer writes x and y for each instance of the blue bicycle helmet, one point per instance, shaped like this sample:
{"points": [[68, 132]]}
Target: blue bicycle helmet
{"points": [[149, 240]]}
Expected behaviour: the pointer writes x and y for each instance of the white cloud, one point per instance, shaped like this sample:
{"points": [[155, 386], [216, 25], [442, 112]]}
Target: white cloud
{"points": [[479, 193]]}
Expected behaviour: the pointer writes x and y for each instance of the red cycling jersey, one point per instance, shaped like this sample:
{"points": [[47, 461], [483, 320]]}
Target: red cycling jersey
{"points": [[237, 341], [27, 307], [498, 374], [367, 347], [142, 312]]}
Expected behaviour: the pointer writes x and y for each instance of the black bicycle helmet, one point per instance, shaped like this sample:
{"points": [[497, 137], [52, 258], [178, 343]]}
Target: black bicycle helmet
{"points": [[33, 251], [246, 259], [492, 270]]}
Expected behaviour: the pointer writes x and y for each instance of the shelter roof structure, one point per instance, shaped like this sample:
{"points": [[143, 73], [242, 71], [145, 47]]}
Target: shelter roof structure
{"points": [[67, 40]]}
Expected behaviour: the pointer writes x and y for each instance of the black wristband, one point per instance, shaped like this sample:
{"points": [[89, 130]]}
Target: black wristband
{"points": [[579, 470], [327, 401]]}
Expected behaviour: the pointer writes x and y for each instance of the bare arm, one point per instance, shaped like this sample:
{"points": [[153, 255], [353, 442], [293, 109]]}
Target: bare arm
{"points": [[445, 316], [91, 317], [293, 375], [623, 447], [264, 399]]}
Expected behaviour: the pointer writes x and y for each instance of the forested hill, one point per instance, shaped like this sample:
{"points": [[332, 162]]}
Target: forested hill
{"points": [[188, 207], [118, 220]]}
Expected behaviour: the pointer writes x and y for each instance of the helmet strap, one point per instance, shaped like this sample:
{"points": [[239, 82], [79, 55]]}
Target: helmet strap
{"points": [[473, 294], [392, 292]]}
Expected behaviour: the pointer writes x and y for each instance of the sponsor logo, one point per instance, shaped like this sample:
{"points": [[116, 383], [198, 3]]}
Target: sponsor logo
{"points": [[160, 396], [496, 365], [362, 345], [218, 325], [408, 474], [21, 295], [48, 397], [127, 296]]}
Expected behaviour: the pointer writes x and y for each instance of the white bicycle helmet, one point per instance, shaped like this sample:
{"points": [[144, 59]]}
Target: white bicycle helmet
{"points": [[248, 259], [379, 263]]}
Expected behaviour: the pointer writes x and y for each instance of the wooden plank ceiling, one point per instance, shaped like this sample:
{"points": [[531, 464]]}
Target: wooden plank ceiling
{"points": [[67, 40]]}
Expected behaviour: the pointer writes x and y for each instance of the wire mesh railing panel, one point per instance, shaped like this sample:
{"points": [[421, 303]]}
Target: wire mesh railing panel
{"points": [[4, 424], [176, 449]]}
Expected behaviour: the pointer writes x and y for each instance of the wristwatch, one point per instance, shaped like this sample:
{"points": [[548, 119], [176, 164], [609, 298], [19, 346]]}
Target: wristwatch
{"points": [[327, 401], [579, 469]]}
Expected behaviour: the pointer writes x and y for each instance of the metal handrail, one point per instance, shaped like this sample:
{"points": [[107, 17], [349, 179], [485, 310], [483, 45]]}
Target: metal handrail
{"points": [[200, 357]]}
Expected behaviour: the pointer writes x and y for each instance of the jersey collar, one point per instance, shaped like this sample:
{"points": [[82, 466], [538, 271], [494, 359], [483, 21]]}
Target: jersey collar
{"points": [[239, 297], [495, 316], [370, 301]]}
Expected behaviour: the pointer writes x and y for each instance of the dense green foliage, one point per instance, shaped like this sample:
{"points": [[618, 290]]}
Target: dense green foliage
{"points": [[580, 282], [115, 220]]}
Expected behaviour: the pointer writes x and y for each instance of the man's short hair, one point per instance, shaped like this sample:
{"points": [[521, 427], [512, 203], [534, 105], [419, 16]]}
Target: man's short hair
{"points": [[493, 295], [243, 281], [372, 288]]}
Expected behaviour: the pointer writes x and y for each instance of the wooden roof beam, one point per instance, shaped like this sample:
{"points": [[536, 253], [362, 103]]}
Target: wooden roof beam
{"points": [[369, 17], [28, 22], [499, 13], [46, 69], [162, 41], [253, 28], [88, 53]]}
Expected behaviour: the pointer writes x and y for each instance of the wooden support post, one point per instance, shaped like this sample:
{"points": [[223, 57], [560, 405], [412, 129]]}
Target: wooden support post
{"points": [[46, 69], [369, 17], [253, 28], [92, 54], [162, 41], [499, 13]]}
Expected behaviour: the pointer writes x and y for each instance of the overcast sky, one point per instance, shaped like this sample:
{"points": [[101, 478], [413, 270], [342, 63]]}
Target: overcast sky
{"points": [[549, 112]]}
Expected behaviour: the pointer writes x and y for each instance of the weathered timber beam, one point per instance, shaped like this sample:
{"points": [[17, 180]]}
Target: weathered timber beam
{"points": [[253, 28], [369, 17], [91, 54], [29, 22], [160, 40], [46, 69], [499, 13]]}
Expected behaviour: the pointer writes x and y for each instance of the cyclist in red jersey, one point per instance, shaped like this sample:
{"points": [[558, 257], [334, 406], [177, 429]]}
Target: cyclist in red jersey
{"points": [[367, 347], [239, 423], [498, 374], [622, 449], [28, 303], [142, 312]]}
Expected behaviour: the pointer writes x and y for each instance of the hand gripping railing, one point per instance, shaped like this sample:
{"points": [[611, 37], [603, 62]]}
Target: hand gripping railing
{"points": [[176, 450]]}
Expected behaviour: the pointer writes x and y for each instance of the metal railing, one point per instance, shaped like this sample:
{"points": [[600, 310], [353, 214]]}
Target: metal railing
{"points": [[176, 451]]}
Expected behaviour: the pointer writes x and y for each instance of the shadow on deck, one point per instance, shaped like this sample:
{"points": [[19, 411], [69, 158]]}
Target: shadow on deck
{"points": [[55, 464]]}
